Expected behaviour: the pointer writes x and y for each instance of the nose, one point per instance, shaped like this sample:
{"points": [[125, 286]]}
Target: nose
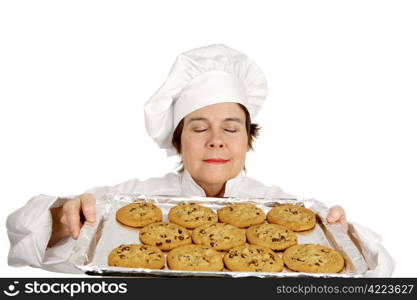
{"points": [[215, 141]]}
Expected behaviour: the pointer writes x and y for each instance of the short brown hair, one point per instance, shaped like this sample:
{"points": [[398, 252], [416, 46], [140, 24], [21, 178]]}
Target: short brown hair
{"points": [[252, 129]]}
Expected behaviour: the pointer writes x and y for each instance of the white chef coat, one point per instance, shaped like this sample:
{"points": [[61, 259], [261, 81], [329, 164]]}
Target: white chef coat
{"points": [[29, 228]]}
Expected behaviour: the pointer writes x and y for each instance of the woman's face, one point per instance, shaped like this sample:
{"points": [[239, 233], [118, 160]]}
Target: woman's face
{"points": [[214, 143]]}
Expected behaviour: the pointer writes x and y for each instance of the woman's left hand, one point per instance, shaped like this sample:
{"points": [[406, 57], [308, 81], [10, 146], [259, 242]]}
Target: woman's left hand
{"points": [[337, 215]]}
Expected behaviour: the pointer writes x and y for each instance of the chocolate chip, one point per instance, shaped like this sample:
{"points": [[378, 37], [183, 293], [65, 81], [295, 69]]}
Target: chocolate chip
{"points": [[233, 254], [180, 237], [243, 255], [227, 238], [167, 241], [212, 244], [210, 218], [125, 248], [179, 231], [253, 262], [158, 244], [202, 231], [122, 256], [279, 239]]}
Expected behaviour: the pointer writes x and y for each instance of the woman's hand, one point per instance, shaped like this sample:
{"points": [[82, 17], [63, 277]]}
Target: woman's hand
{"points": [[337, 215], [68, 219]]}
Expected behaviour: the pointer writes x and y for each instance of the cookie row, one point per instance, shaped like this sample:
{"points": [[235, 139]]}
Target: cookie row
{"points": [[245, 258], [220, 236], [241, 215]]}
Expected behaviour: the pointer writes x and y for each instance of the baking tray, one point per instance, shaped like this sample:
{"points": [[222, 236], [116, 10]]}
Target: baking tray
{"points": [[96, 241]]}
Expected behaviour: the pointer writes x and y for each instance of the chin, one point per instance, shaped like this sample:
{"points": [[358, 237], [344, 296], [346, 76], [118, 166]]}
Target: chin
{"points": [[215, 177]]}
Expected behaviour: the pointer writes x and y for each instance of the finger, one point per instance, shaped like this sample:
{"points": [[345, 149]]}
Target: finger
{"points": [[335, 213], [88, 206], [72, 215], [65, 228]]}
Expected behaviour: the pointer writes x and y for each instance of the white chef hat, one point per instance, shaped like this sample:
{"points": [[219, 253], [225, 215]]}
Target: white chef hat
{"points": [[201, 77]]}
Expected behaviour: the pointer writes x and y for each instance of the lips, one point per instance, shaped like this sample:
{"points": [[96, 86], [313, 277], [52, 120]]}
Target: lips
{"points": [[216, 161]]}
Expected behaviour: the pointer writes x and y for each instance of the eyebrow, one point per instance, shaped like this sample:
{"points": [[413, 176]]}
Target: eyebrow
{"points": [[239, 120]]}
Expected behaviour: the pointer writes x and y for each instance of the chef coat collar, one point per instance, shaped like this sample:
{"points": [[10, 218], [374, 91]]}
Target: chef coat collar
{"points": [[190, 188]]}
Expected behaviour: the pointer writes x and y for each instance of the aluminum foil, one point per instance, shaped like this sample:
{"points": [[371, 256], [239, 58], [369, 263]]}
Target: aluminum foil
{"points": [[96, 241]]}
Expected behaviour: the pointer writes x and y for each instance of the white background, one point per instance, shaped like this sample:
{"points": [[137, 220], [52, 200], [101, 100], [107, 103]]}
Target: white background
{"points": [[339, 123]]}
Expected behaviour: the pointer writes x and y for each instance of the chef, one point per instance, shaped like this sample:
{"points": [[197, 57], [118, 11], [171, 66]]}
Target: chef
{"points": [[203, 112]]}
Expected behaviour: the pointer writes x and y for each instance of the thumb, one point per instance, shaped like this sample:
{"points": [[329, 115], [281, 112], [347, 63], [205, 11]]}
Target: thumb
{"points": [[335, 214], [88, 205]]}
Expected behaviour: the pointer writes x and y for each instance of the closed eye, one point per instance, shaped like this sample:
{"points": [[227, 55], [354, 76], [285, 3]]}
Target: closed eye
{"points": [[199, 130], [231, 130]]}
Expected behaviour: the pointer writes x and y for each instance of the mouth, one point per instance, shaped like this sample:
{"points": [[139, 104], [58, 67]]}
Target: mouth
{"points": [[217, 161]]}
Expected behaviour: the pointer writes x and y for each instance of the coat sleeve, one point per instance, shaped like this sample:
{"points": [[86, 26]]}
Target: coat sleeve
{"points": [[380, 262], [29, 229]]}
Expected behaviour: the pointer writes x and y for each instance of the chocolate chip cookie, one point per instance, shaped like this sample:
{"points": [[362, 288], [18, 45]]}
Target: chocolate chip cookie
{"points": [[139, 214], [253, 258], [241, 215], [220, 236], [164, 235], [195, 258], [136, 256], [296, 218], [273, 236], [313, 259], [191, 215]]}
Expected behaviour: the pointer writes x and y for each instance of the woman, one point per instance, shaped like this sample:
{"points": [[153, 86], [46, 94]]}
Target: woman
{"points": [[203, 112]]}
